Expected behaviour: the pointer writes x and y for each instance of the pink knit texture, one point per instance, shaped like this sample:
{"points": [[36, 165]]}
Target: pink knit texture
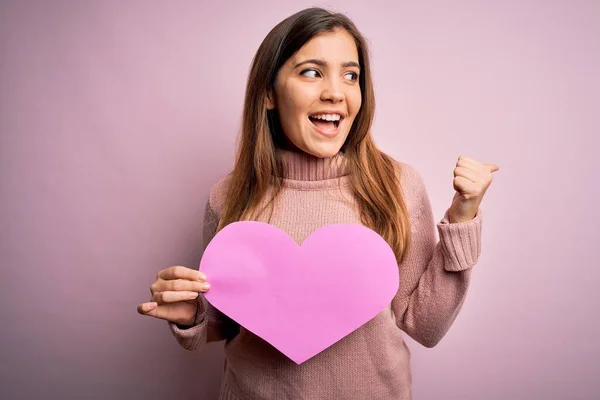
{"points": [[372, 362]]}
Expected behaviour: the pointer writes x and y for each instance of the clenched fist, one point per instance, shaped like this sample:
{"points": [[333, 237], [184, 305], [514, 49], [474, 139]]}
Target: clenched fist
{"points": [[471, 181]]}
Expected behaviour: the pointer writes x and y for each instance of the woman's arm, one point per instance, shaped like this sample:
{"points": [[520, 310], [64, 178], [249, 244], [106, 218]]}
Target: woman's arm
{"points": [[210, 324], [434, 277]]}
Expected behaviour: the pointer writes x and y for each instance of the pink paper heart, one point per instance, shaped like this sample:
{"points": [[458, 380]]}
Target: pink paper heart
{"points": [[300, 299]]}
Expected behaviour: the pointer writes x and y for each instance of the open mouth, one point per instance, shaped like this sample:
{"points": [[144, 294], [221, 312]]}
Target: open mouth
{"points": [[329, 124]]}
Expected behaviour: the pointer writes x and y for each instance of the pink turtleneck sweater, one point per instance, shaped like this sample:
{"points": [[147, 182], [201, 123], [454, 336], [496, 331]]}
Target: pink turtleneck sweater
{"points": [[373, 362]]}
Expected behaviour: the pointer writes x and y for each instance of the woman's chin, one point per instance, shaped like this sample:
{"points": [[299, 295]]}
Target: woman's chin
{"points": [[318, 148], [324, 151]]}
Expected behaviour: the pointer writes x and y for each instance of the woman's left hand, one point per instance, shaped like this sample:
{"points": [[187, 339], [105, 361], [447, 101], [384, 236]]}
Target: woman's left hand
{"points": [[471, 180]]}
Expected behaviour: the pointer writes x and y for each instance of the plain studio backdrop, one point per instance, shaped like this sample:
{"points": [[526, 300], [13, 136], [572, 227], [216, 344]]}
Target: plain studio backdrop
{"points": [[117, 117]]}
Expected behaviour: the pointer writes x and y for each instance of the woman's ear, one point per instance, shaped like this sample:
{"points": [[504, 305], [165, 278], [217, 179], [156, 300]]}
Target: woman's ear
{"points": [[270, 100]]}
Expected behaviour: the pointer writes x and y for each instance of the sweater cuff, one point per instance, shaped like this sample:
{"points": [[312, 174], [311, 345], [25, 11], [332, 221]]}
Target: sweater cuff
{"points": [[199, 322], [461, 242]]}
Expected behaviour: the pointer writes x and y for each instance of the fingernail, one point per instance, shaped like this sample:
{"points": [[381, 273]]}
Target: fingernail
{"points": [[206, 286], [201, 276], [193, 295], [151, 306]]}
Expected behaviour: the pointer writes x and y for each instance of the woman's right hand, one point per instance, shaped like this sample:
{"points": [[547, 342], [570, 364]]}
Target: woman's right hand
{"points": [[175, 295]]}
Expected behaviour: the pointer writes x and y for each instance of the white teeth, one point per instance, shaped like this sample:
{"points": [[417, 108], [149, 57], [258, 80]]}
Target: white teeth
{"points": [[327, 117]]}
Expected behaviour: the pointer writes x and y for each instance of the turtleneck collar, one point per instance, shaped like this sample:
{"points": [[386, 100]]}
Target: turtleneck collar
{"points": [[305, 171], [300, 166]]}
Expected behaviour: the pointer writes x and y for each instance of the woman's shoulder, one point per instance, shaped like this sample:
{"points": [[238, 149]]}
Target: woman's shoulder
{"points": [[412, 184], [218, 191], [410, 178], [412, 187]]}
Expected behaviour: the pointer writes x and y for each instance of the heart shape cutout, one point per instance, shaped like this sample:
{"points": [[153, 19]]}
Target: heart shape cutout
{"points": [[300, 299]]}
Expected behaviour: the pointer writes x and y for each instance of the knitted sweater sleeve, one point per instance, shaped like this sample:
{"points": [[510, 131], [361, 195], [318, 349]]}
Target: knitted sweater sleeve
{"points": [[210, 324], [434, 277]]}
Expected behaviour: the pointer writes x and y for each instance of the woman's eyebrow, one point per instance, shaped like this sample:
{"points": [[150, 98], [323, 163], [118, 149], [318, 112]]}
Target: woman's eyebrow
{"points": [[323, 63]]}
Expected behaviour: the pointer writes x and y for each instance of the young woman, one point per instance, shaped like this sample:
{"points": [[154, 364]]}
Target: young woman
{"points": [[307, 159]]}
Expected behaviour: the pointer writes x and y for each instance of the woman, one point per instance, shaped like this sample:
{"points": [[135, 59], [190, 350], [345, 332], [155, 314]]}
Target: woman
{"points": [[307, 159]]}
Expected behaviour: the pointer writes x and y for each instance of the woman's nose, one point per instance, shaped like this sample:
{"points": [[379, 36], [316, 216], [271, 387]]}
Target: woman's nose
{"points": [[332, 92]]}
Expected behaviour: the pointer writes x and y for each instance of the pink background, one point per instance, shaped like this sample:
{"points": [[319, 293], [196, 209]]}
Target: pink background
{"points": [[116, 118]]}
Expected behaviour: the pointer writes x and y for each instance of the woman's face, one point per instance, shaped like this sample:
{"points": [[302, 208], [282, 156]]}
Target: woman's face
{"points": [[317, 93]]}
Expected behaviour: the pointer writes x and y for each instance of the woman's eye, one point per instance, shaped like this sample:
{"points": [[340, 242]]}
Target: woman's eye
{"points": [[352, 76], [310, 73], [313, 73]]}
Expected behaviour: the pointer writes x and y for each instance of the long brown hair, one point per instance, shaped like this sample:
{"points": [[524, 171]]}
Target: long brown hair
{"points": [[374, 175]]}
